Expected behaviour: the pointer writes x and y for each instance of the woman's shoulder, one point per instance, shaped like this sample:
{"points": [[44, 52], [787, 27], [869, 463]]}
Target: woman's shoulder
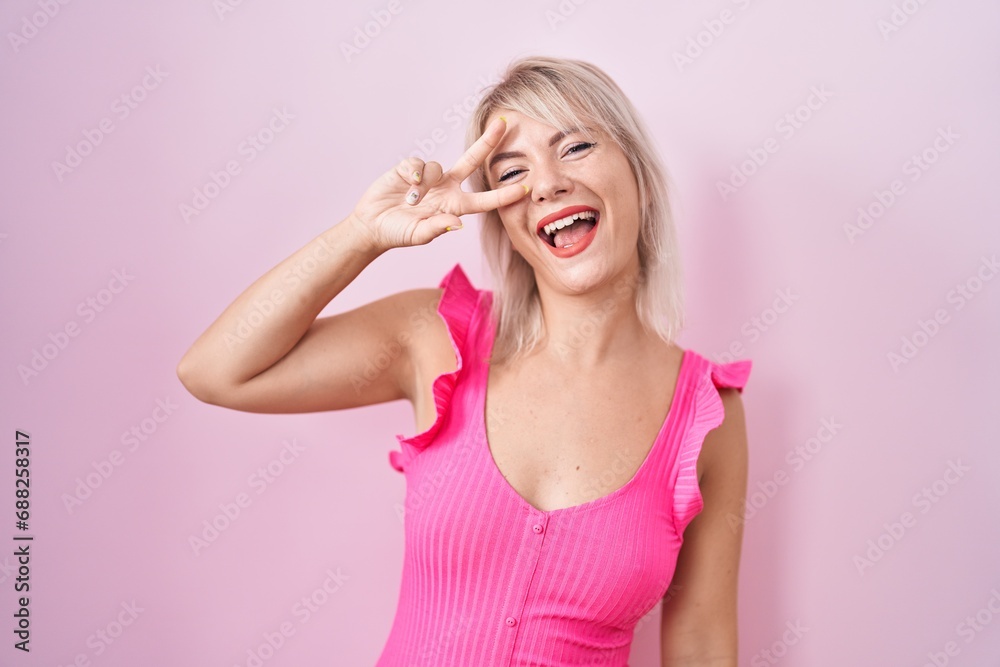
{"points": [[456, 298], [723, 373], [439, 322], [437, 334], [452, 303]]}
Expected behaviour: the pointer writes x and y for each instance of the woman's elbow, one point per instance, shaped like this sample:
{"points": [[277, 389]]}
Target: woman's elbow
{"points": [[194, 381]]}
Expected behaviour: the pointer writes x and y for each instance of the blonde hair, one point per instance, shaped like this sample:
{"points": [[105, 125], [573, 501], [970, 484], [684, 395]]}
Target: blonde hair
{"points": [[557, 91]]}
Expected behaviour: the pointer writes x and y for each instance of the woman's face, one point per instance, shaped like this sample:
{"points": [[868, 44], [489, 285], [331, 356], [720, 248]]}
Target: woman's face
{"points": [[570, 171]]}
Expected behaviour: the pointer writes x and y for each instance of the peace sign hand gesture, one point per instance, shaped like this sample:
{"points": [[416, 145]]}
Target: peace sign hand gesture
{"points": [[392, 219]]}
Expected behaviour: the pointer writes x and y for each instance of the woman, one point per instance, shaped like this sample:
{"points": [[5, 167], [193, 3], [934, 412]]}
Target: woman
{"points": [[566, 448]]}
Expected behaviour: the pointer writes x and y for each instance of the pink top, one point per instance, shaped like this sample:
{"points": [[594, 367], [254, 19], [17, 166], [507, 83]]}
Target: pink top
{"points": [[490, 580]]}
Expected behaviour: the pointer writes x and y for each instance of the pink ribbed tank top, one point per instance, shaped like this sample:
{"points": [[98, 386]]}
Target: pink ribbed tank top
{"points": [[488, 580]]}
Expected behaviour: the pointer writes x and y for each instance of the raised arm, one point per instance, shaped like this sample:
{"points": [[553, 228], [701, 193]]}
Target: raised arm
{"points": [[268, 352]]}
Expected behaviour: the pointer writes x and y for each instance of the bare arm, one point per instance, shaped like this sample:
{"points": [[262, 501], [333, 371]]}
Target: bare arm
{"points": [[699, 622], [268, 352]]}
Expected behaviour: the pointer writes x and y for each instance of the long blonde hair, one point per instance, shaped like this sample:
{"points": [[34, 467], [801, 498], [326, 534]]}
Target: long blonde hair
{"points": [[556, 91]]}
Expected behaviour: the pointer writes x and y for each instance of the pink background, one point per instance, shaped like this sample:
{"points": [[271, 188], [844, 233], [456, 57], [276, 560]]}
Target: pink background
{"points": [[334, 507]]}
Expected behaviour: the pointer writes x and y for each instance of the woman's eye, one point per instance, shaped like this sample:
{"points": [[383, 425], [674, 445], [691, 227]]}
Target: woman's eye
{"points": [[575, 148], [584, 145], [509, 174]]}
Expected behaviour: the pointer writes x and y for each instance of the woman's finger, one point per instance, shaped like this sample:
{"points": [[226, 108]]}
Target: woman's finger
{"points": [[432, 174], [411, 170], [445, 222], [473, 158], [476, 202]]}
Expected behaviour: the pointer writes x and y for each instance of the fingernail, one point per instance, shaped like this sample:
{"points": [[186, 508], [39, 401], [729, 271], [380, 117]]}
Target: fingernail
{"points": [[416, 176], [411, 197], [526, 188], [503, 118], [451, 229]]}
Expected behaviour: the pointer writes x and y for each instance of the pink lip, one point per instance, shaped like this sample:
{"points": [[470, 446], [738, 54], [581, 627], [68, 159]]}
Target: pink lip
{"points": [[580, 245]]}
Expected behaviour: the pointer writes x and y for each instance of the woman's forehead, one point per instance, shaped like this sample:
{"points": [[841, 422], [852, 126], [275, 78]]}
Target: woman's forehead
{"points": [[558, 118], [542, 129]]}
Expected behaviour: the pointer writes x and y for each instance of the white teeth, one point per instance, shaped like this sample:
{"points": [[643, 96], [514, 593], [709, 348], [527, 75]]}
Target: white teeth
{"points": [[568, 220]]}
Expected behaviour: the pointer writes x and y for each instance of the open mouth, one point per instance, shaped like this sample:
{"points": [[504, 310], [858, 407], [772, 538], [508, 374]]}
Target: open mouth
{"points": [[568, 231]]}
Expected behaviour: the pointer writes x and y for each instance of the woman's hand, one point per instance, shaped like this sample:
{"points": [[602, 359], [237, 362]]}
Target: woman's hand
{"points": [[414, 203]]}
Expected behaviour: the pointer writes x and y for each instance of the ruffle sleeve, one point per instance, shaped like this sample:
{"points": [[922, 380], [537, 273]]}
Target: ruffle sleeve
{"points": [[456, 307], [708, 414]]}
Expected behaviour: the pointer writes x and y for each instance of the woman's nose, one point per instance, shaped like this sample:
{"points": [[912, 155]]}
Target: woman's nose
{"points": [[549, 181]]}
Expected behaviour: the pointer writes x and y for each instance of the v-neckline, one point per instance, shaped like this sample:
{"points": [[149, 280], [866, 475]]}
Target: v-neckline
{"points": [[484, 369]]}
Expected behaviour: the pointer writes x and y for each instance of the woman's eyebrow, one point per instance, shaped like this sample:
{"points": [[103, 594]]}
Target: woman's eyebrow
{"points": [[555, 138]]}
